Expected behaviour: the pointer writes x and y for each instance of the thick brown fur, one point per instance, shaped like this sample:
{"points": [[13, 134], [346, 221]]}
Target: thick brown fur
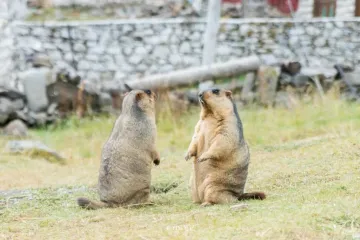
{"points": [[128, 155], [221, 153]]}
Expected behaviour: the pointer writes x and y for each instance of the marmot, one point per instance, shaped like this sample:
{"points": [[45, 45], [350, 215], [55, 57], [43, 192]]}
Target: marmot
{"points": [[221, 153], [128, 154]]}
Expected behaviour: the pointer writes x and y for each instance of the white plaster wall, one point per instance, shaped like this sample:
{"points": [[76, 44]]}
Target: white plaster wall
{"points": [[345, 8]]}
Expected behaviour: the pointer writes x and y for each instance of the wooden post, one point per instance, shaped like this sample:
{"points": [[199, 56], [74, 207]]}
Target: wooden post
{"points": [[212, 27], [210, 35], [357, 8], [245, 8]]}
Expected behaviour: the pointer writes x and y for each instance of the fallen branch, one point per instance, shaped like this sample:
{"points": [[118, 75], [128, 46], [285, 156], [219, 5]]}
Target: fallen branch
{"points": [[197, 74]]}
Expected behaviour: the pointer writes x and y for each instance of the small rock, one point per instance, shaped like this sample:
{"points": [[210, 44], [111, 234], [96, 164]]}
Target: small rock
{"points": [[64, 33], [196, 36], [97, 50], [320, 42], [224, 50], [175, 59], [84, 65], [40, 118], [16, 128], [34, 147], [127, 51], [135, 59], [79, 47], [52, 109], [161, 52], [239, 207], [119, 75], [95, 76], [185, 47]]}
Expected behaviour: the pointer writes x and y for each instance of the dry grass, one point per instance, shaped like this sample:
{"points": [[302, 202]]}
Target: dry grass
{"points": [[313, 185]]}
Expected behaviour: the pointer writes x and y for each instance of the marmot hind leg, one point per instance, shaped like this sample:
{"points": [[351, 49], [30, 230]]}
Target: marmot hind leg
{"points": [[213, 196], [194, 190]]}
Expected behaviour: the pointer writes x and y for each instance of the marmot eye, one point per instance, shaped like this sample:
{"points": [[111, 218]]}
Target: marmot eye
{"points": [[148, 92], [215, 91]]}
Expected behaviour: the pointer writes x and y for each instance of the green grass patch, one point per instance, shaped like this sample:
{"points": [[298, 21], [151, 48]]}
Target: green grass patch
{"points": [[306, 160]]}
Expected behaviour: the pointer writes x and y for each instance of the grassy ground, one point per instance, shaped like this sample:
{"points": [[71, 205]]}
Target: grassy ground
{"points": [[307, 160]]}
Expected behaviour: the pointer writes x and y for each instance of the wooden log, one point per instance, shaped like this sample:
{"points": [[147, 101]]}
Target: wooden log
{"points": [[247, 94], [197, 74], [268, 79]]}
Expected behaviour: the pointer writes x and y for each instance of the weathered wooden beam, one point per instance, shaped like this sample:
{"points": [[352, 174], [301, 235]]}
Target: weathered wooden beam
{"points": [[197, 74]]}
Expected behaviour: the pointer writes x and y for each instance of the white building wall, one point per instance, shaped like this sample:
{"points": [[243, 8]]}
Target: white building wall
{"points": [[344, 8]]}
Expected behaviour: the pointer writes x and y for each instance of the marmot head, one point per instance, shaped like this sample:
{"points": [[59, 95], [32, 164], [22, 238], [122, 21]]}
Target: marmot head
{"points": [[216, 101], [140, 100]]}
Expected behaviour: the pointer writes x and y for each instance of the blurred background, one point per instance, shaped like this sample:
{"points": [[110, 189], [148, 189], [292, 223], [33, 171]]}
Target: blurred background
{"points": [[91, 48]]}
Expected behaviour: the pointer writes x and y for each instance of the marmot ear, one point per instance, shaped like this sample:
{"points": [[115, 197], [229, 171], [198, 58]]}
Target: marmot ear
{"points": [[127, 87], [228, 93]]}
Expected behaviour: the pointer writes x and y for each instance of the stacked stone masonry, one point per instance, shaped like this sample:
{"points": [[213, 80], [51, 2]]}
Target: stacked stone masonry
{"points": [[6, 47], [109, 52]]}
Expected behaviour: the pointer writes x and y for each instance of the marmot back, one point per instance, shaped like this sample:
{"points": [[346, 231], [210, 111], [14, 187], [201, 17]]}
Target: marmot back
{"points": [[221, 153], [128, 154]]}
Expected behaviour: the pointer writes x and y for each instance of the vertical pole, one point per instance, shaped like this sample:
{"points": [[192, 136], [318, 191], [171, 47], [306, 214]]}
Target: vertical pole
{"points": [[245, 8], [210, 37], [357, 8], [212, 27]]}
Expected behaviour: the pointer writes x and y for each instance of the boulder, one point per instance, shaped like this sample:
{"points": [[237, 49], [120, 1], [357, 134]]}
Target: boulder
{"points": [[35, 82], [34, 148], [16, 128], [11, 94], [6, 109]]}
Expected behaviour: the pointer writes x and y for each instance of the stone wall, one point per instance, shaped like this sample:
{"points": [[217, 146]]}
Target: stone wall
{"points": [[6, 46], [109, 52]]}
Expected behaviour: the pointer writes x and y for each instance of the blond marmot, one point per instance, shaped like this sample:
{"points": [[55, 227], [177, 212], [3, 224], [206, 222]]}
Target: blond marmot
{"points": [[128, 154], [221, 153]]}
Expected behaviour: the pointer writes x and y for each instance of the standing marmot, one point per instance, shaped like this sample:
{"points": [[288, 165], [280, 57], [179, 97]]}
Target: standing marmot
{"points": [[220, 151], [127, 156]]}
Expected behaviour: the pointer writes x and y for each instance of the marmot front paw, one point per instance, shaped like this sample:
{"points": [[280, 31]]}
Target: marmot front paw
{"points": [[188, 156]]}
